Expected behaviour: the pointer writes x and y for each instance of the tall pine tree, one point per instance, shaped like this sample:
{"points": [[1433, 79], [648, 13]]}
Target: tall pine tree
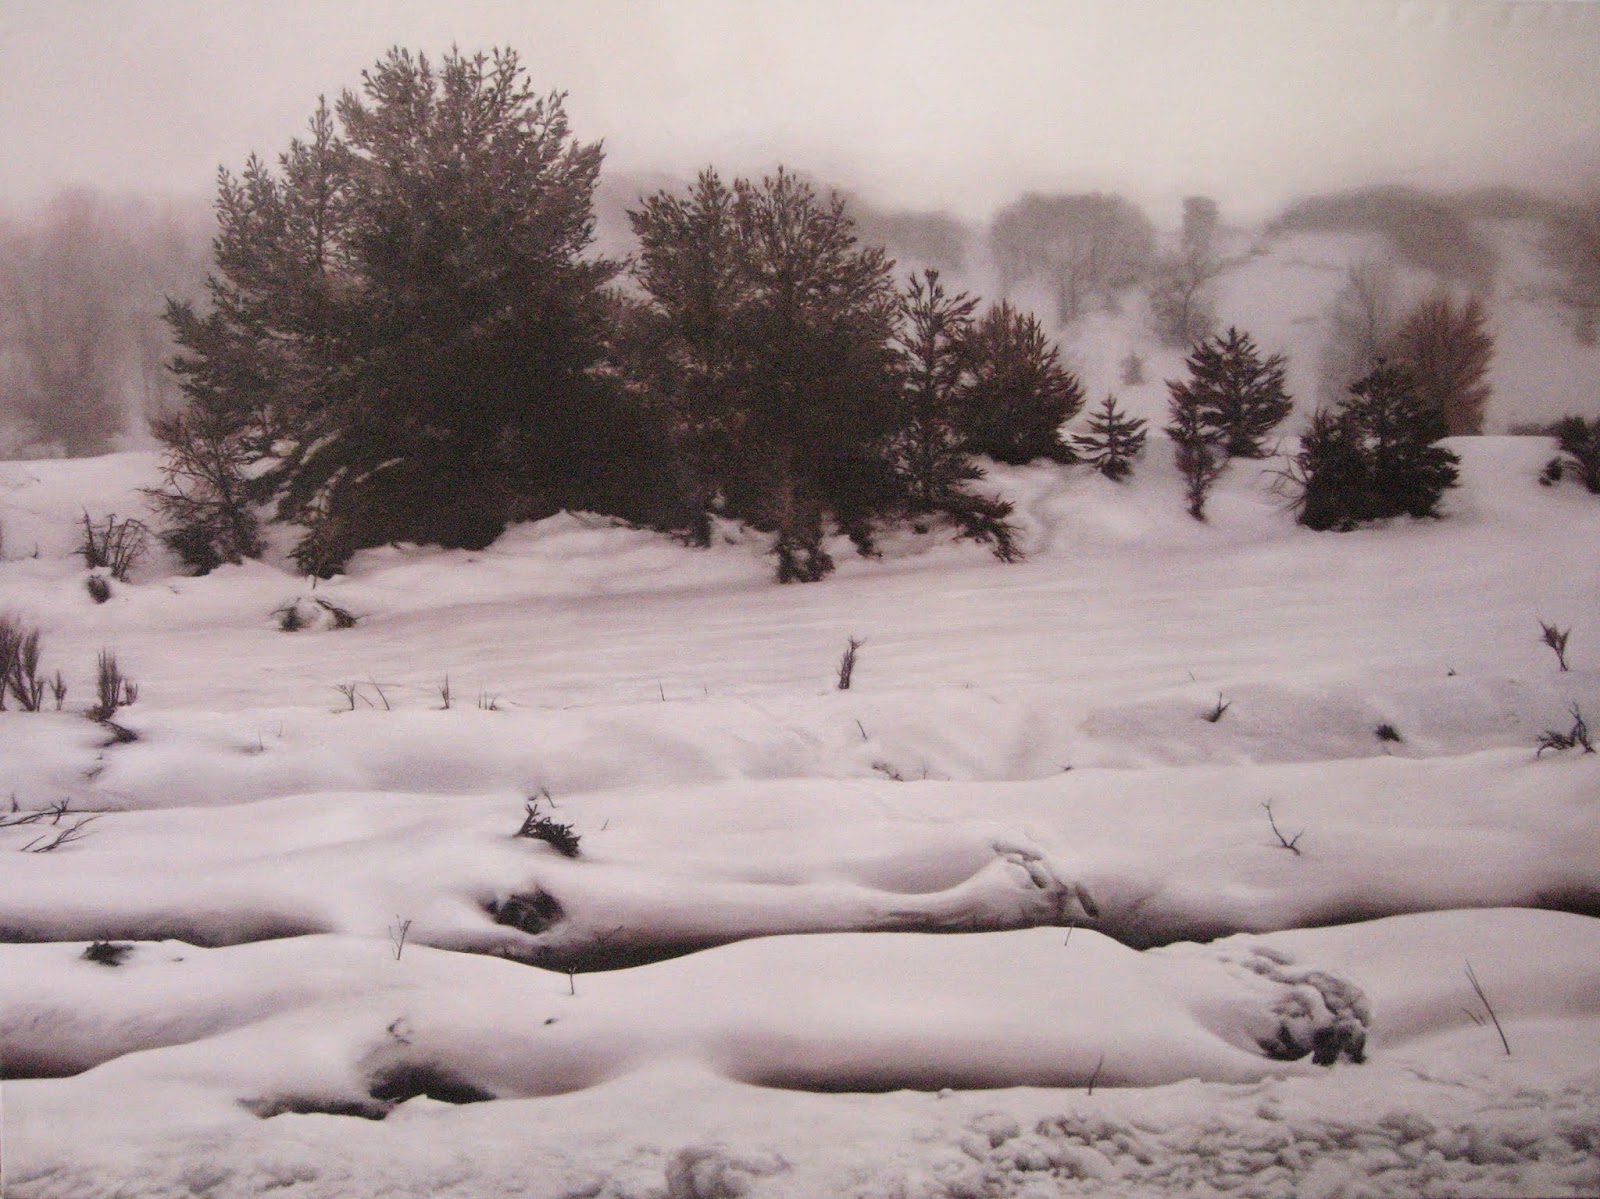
{"points": [[775, 349], [928, 451], [405, 318]]}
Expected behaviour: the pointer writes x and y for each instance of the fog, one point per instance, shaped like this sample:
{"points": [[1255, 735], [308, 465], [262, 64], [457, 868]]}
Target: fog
{"points": [[914, 104]]}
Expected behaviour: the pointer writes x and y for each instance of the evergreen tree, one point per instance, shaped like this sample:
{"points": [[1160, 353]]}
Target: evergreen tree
{"points": [[1236, 392], [1374, 458], [928, 452], [1397, 425], [1197, 448], [1448, 348], [1332, 473], [1114, 440], [1020, 395], [406, 311], [1579, 440], [774, 355], [206, 501]]}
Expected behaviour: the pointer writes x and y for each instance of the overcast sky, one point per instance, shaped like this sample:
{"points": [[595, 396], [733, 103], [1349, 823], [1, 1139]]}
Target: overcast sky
{"points": [[958, 104]]}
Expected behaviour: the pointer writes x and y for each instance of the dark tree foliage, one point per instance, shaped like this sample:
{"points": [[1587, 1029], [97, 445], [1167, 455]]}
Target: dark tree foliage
{"points": [[1579, 443], [1373, 458], [1197, 448], [1331, 473], [1447, 348], [1235, 392], [928, 451], [771, 348], [403, 317], [1113, 441], [1020, 394], [206, 500]]}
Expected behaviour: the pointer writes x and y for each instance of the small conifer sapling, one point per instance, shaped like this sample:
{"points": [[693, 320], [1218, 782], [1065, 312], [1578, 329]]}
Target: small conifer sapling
{"points": [[1114, 440]]}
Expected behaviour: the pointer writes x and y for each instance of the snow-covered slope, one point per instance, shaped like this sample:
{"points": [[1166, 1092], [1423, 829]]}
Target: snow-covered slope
{"points": [[1155, 927]]}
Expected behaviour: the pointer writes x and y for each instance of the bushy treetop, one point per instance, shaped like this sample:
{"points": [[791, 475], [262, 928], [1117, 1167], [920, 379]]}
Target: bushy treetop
{"points": [[403, 316], [1236, 391]]}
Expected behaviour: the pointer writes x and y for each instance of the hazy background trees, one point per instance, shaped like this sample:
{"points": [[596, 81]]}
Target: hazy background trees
{"points": [[1441, 338], [1428, 231], [1572, 249], [83, 349], [1361, 320], [1446, 345], [1182, 307], [1084, 248]]}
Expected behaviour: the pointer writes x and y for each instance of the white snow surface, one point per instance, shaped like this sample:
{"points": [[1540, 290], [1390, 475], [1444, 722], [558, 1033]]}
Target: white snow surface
{"points": [[1008, 917]]}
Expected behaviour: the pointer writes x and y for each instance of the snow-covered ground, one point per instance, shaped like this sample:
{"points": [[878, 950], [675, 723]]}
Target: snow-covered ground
{"points": [[1010, 916]]}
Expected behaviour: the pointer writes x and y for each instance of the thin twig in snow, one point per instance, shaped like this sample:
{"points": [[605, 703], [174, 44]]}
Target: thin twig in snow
{"points": [[1488, 1007], [1093, 1078], [1282, 840]]}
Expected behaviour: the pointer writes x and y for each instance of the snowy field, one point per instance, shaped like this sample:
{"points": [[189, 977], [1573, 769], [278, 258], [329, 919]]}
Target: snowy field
{"points": [[1009, 917]]}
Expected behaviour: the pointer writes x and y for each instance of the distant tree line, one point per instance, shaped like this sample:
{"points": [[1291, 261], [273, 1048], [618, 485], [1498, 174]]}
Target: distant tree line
{"points": [[83, 350]]}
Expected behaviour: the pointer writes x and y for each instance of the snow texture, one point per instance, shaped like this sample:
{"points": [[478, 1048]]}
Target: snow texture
{"points": [[1010, 917]]}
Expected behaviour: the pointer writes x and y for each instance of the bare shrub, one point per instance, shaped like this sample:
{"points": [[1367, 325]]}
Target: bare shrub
{"points": [[1477, 989], [112, 688], [1290, 843], [19, 665], [106, 953], [1575, 738], [1556, 639], [847, 664], [397, 936], [116, 548], [302, 614], [539, 827], [342, 618]]}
